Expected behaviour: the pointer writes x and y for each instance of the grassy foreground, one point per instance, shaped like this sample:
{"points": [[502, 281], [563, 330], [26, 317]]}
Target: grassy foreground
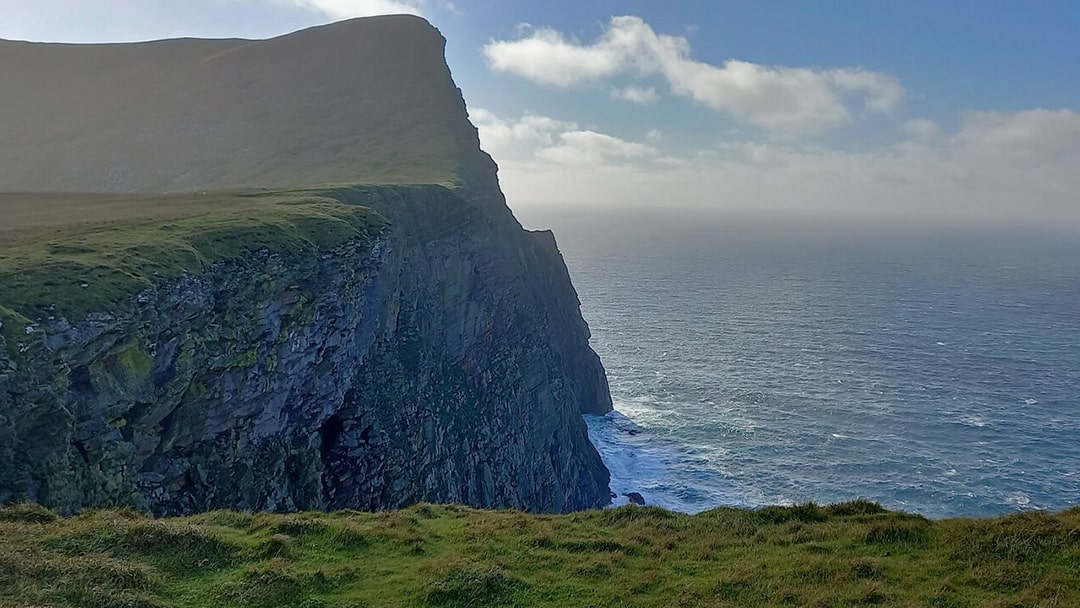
{"points": [[849, 554]]}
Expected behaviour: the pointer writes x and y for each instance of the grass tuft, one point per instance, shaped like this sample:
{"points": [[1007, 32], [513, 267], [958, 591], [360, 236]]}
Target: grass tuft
{"points": [[854, 507], [29, 513], [172, 544], [899, 529], [470, 587], [273, 584], [868, 568], [1020, 537], [806, 513]]}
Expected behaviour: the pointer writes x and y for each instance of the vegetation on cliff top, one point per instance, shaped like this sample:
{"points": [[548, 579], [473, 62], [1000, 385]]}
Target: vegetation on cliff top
{"points": [[68, 255], [849, 554], [364, 100]]}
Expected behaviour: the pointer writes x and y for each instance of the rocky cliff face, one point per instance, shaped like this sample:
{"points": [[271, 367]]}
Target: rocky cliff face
{"points": [[443, 359]]}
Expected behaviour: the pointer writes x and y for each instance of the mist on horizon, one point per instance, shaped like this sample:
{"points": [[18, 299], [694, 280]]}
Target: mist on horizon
{"points": [[916, 110]]}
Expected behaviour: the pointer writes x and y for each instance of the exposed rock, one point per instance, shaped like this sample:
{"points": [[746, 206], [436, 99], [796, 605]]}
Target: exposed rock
{"points": [[445, 360], [636, 498], [441, 362]]}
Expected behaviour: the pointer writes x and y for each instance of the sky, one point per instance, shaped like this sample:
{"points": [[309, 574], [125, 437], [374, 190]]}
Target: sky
{"points": [[964, 108]]}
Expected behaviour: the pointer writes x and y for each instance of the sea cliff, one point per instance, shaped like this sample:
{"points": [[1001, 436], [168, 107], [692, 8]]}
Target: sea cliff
{"points": [[373, 347]]}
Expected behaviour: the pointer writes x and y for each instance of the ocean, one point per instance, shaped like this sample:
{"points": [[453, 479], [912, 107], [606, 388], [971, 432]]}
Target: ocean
{"points": [[756, 359]]}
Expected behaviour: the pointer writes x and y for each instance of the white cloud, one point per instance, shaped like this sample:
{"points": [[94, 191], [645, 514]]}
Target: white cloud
{"points": [[589, 148], [883, 93], [641, 95], [778, 98], [500, 137], [535, 137], [1032, 137], [346, 9], [1007, 165], [547, 58], [922, 129]]}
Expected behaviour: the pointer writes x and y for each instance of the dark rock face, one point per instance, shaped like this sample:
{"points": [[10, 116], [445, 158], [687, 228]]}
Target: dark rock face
{"points": [[636, 498], [444, 361]]}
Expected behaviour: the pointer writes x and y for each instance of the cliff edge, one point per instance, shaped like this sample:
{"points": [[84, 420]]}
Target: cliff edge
{"points": [[343, 313], [361, 101]]}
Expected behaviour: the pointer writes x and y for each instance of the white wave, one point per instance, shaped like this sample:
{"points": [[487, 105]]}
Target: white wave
{"points": [[976, 421], [665, 474], [1019, 499]]}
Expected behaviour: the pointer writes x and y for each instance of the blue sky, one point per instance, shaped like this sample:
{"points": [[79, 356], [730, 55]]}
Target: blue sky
{"points": [[959, 107]]}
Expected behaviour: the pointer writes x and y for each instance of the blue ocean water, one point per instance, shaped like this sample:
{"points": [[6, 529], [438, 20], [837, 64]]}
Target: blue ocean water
{"points": [[756, 360]]}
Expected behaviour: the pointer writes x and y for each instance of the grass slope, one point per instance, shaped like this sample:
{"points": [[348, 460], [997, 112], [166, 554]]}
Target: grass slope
{"points": [[849, 554], [67, 255], [366, 100]]}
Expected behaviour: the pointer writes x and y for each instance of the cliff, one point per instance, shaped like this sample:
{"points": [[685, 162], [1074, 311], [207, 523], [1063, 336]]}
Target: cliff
{"points": [[367, 100], [291, 348]]}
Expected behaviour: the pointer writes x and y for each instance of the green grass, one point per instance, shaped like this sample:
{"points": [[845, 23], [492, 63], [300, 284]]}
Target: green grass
{"points": [[852, 554], [68, 255]]}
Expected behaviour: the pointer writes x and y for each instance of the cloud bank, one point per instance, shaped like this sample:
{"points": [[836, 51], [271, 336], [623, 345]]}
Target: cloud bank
{"points": [[641, 95], [553, 141], [995, 165], [780, 99]]}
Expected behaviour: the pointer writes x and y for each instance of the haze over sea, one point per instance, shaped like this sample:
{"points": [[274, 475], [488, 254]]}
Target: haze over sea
{"points": [[756, 360]]}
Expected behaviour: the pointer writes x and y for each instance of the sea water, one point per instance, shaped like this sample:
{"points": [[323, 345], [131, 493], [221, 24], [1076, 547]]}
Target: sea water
{"points": [[931, 366]]}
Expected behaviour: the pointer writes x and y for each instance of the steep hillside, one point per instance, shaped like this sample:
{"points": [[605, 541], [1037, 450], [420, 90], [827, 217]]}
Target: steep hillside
{"points": [[368, 100], [308, 347]]}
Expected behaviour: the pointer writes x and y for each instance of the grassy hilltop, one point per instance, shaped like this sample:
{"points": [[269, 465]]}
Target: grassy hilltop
{"points": [[69, 254], [122, 130], [849, 554], [365, 100]]}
